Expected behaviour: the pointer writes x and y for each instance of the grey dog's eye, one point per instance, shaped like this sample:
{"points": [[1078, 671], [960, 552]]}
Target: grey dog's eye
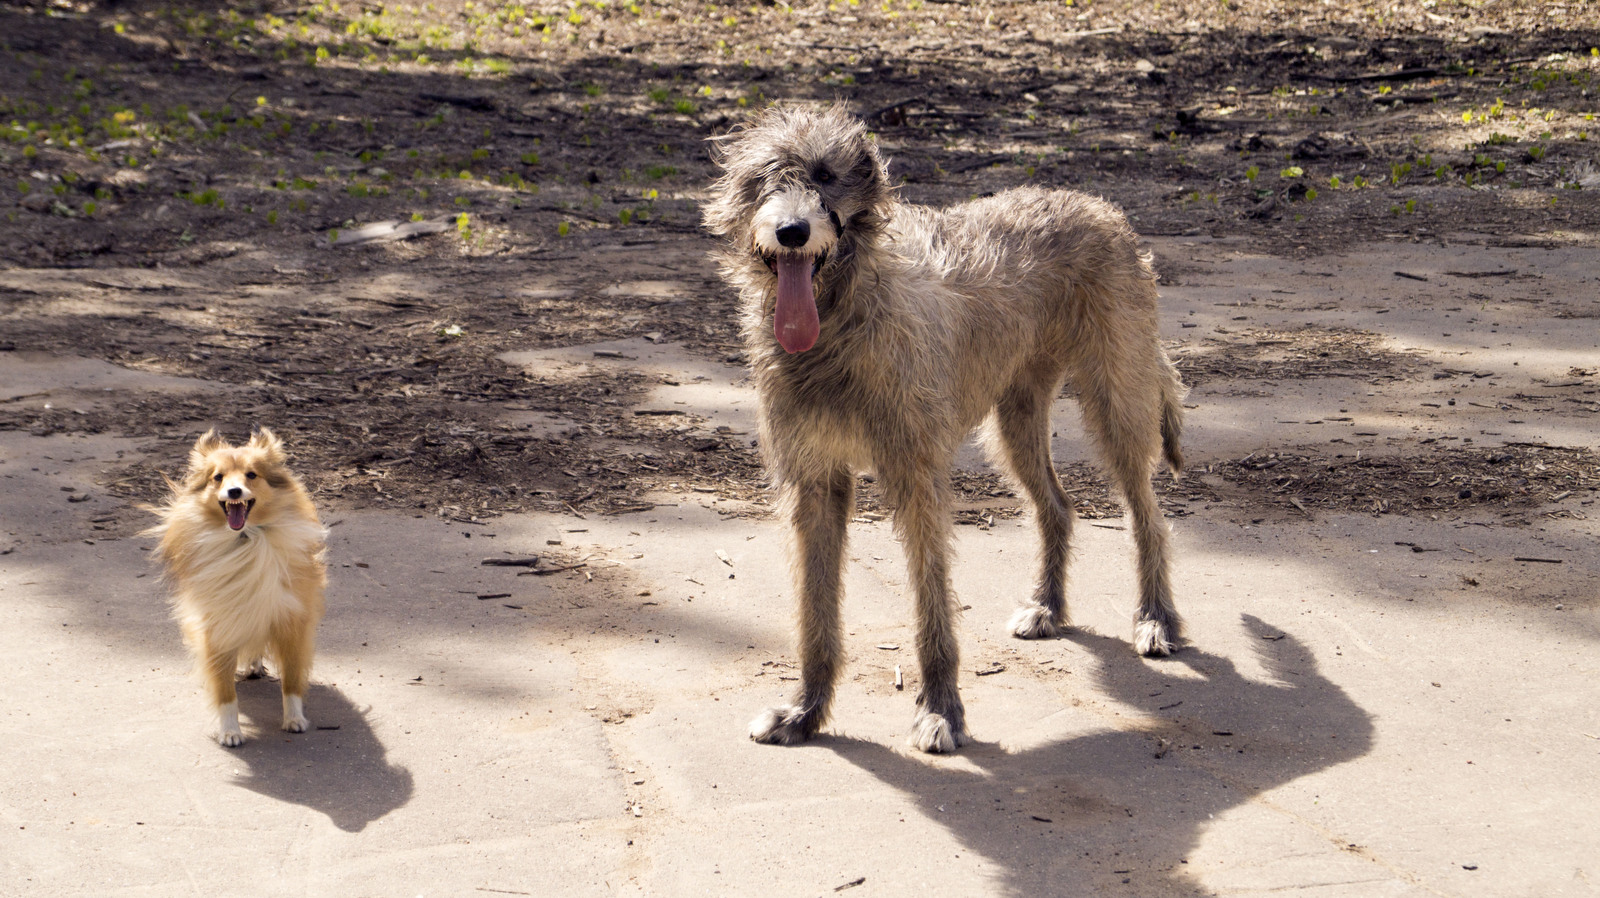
{"points": [[822, 176]]}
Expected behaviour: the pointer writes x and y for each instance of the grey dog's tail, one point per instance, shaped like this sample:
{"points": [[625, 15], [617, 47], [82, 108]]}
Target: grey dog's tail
{"points": [[1172, 419]]}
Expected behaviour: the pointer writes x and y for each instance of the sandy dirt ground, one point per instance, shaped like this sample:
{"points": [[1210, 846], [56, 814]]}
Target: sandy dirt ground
{"points": [[1385, 540]]}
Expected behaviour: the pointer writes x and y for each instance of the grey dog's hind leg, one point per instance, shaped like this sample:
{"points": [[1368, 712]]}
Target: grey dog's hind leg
{"points": [[1122, 390], [819, 511], [1022, 426]]}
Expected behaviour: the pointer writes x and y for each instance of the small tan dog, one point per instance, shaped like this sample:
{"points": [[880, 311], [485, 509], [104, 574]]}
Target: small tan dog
{"points": [[243, 550]]}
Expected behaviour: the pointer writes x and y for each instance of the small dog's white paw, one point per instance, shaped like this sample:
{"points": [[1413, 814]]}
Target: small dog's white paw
{"points": [[294, 714], [782, 725], [1153, 639], [228, 733], [933, 734], [255, 670], [1035, 622]]}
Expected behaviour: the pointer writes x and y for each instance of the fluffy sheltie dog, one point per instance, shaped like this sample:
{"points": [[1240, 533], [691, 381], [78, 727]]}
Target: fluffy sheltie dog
{"points": [[243, 551]]}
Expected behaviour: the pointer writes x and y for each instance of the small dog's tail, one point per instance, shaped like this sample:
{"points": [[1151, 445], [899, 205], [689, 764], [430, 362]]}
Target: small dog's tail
{"points": [[1172, 393]]}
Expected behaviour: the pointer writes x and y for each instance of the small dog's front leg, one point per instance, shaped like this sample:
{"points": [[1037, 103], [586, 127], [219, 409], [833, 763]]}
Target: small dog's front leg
{"points": [[819, 511], [219, 669]]}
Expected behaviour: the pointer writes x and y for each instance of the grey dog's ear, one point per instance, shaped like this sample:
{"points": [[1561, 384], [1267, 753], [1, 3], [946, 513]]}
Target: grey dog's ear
{"points": [[735, 193]]}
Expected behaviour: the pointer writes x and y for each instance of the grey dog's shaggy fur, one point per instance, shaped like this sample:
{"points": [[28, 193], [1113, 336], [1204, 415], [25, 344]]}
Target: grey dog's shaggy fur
{"points": [[926, 323]]}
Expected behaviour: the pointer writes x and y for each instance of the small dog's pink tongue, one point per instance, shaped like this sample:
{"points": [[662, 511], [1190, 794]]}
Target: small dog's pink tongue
{"points": [[795, 318], [237, 512]]}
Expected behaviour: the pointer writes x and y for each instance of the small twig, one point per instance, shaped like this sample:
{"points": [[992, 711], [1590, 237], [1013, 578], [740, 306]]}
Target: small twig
{"points": [[552, 570], [530, 561], [1539, 560], [1407, 274], [981, 162]]}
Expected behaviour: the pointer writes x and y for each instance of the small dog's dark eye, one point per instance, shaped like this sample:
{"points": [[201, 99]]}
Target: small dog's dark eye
{"points": [[823, 176], [217, 478], [250, 475]]}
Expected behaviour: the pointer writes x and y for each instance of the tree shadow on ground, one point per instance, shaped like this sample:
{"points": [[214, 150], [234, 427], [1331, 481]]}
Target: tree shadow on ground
{"points": [[339, 768], [1124, 809]]}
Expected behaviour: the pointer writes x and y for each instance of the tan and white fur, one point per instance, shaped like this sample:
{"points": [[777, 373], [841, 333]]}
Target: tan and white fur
{"points": [[882, 333], [244, 552]]}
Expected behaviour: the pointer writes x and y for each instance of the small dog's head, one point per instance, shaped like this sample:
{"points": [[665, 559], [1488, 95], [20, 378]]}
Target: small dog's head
{"points": [[231, 482], [799, 193]]}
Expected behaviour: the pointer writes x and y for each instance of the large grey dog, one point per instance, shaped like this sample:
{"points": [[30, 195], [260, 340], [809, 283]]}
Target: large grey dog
{"points": [[881, 333]]}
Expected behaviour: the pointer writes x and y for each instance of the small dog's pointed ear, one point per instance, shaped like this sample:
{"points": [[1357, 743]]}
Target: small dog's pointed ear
{"points": [[264, 438], [209, 442]]}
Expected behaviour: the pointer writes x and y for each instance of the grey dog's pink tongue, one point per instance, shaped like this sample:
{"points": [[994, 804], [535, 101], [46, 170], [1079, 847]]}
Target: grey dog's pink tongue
{"points": [[795, 318], [236, 515]]}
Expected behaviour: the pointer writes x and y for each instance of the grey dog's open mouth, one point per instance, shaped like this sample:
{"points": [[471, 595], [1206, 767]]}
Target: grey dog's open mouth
{"points": [[816, 264], [237, 512]]}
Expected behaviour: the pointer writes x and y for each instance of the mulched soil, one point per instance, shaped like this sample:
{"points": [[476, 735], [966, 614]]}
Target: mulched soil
{"points": [[243, 144]]}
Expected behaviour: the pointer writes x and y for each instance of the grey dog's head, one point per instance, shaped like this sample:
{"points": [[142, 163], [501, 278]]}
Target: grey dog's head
{"points": [[801, 192]]}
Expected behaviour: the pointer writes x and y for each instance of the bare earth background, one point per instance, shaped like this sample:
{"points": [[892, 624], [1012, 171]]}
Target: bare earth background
{"points": [[1376, 226]]}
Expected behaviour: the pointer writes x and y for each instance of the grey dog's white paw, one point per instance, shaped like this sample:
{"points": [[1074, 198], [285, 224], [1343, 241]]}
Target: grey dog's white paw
{"points": [[782, 725], [933, 734], [1035, 622], [1153, 638]]}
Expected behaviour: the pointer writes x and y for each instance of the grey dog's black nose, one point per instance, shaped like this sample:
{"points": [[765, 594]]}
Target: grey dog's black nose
{"points": [[794, 234], [234, 493]]}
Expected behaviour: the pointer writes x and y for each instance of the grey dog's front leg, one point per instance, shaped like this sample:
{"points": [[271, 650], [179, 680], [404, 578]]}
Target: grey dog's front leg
{"points": [[819, 511]]}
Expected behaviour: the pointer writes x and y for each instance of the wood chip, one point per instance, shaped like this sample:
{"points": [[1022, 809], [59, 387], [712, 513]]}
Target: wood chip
{"points": [[388, 231]]}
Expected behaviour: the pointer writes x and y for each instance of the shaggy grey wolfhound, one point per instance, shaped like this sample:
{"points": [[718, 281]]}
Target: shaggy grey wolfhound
{"points": [[882, 333]]}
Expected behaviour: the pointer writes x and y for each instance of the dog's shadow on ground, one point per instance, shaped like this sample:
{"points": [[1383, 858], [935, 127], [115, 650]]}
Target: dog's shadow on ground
{"points": [[1121, 811], [338, 768]]}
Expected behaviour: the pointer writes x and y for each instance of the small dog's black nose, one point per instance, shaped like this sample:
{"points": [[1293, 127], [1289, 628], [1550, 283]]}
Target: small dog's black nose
{"points": [[235, 492], [794, 234]]}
